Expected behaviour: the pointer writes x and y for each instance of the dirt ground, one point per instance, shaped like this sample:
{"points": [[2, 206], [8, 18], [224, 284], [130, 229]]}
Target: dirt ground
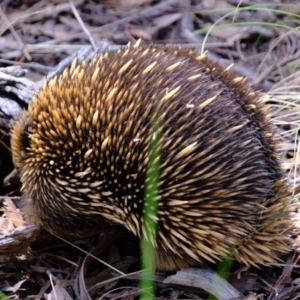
{"points": [[262, 38]]}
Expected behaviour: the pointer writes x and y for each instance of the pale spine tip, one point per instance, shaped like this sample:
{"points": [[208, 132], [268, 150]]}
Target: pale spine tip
{"points": [[78, 122], [74, 64], [95, 118], [186, 151], [235, 128], [228, 68], [104, 143], [95, 74], [111, 93], [207, 102], [149, 68], [138, 43], [201, 56], [239, 79], [125, 67], [194, 77], [88, 153], [171, 93], [145, 52], [172, 67]]}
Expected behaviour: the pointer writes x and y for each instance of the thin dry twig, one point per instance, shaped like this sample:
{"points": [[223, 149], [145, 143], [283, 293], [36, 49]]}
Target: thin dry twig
{"points": [[14, 33], [76, 14]]}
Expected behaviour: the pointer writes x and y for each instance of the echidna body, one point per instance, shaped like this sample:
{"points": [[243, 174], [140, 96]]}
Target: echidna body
{"points": [[83, 148]]}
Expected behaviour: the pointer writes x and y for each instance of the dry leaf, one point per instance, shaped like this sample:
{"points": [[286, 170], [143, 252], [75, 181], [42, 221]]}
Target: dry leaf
{"points": [[6, 225], [140, 33], [13, 288], [13, 213], [58, 292], [236, 33], [206, 279], [18, 240]]}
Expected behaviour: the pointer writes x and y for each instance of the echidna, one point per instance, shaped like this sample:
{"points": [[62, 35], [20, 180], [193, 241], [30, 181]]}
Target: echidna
{"points": [[83, 146]]}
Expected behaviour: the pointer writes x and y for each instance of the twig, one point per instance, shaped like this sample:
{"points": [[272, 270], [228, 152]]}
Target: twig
{"points": [[271, 68], [78, 18], [14, 33]]}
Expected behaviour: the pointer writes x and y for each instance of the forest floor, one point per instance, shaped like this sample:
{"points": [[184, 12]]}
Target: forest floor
{"points": [[263, 41]]}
